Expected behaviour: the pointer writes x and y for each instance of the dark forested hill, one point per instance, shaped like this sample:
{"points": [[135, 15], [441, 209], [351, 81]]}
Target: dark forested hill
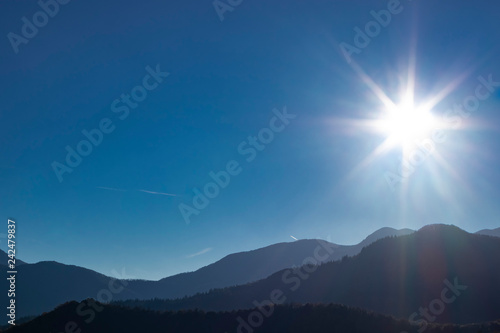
{"points": [[99, 318], [44, 285], [440, 272]]}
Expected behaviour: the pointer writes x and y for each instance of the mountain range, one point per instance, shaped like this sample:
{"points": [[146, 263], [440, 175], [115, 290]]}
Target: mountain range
{"points": [[46, 284], [440, 268], [292, 319]]}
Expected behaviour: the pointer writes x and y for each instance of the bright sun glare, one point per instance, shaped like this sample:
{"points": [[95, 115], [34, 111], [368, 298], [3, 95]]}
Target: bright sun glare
{"points": [[404, 124], [407, 124]]}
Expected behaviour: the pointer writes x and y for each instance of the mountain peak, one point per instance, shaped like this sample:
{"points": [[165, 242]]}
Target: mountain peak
{"points": [[440, 228], [489, 232], [385, 232]]}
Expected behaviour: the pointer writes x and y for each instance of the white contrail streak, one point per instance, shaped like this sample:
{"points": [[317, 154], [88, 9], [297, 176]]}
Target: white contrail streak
{"points": [[145, 191], [208, 249], [160, 193]]}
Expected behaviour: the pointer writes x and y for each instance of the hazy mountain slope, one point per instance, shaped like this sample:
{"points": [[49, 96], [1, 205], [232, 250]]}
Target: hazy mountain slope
{"points": [[382, 233], [243, 267], [286, 319], [4, 257], [395, 276], [44, 285], [489, 232]]}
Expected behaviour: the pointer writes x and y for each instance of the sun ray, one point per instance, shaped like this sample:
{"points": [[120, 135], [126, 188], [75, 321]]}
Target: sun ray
{"points": [[432, 102], [412, 66], [388, 103], [440, 185], [404, 122], [377, 152]]}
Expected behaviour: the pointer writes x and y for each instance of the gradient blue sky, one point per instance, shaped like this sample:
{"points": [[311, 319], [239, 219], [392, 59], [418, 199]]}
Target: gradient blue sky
{"points": [[225, 79]]}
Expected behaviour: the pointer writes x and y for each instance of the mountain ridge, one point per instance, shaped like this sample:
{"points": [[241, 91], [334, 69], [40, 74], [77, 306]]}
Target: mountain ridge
{"points": [[238, 269], [489, 232], [394, 276], [312, 318], [62, 282]]}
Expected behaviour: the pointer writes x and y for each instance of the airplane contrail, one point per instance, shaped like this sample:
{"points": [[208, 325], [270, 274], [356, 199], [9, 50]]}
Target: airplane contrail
{"points": [[160, 193], [208, 249], [145, 191], [110, 189]]}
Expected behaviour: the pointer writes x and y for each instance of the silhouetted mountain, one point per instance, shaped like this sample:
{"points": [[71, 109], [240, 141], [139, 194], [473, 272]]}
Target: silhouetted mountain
{"points": [[44, 285], [243, 267], [396, 275], [489, 232], [98, 318], [4, 258], [382, 233]]}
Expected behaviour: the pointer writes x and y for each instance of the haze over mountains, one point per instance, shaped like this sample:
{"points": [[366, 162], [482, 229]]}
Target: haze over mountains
{"points": [[403, 276], [395, 276], [378, 259], [489, 232], [47, 284]]}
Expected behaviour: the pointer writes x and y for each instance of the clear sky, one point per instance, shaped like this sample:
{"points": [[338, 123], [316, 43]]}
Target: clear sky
{"points": [[320, 173]]}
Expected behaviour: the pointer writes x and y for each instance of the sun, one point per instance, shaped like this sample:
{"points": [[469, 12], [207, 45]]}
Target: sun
{"points": [[405, 124], [410, 123]]}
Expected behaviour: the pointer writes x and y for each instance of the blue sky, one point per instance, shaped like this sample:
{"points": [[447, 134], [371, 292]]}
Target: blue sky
{"points": [[225, 79]]}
